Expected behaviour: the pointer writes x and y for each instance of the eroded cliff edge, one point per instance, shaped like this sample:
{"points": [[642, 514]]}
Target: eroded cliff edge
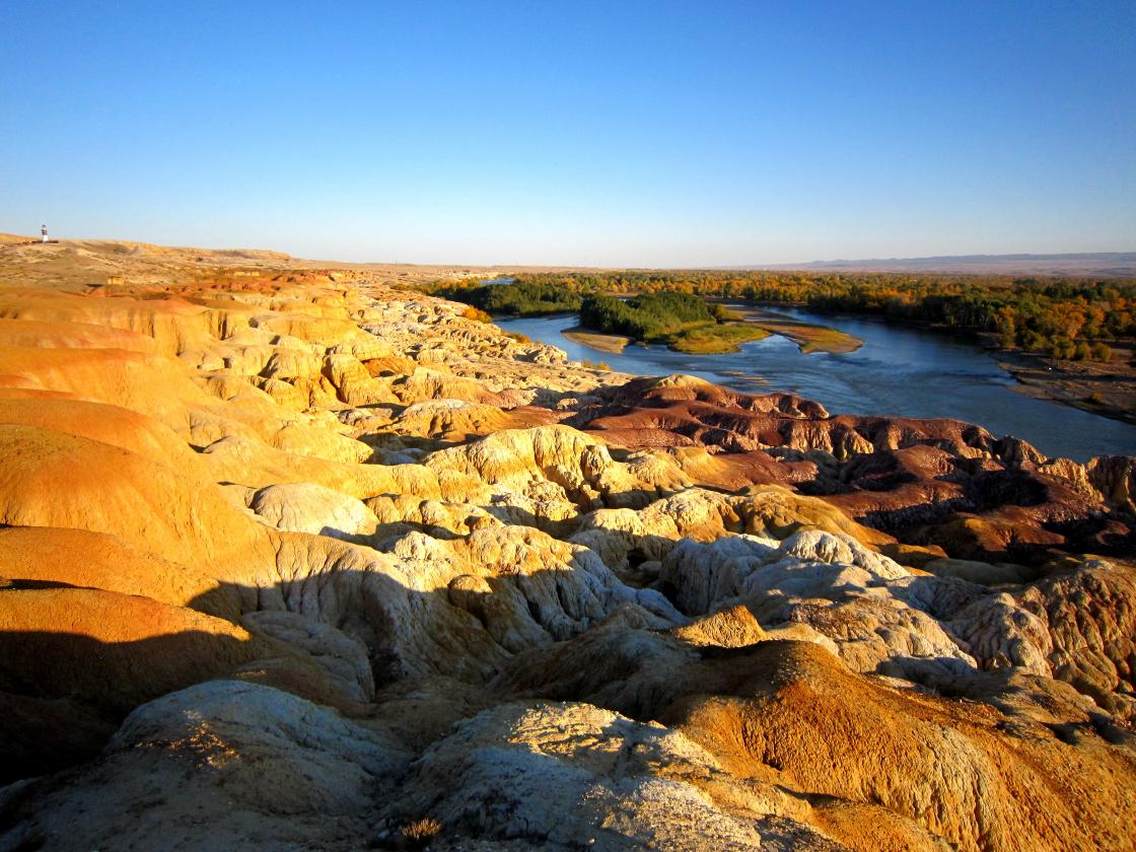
{"points": [[295, 559]]}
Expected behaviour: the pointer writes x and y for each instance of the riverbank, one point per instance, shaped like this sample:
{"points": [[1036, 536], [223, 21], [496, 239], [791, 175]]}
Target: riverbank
{"points": [[613, 343], [1105, 389], [1108, 390]]}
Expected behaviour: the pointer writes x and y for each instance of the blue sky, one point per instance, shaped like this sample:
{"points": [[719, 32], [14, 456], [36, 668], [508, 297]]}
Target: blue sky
{"points": [[648, 134]]}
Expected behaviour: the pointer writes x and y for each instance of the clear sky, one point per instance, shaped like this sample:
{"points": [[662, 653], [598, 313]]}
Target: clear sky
{"points": [[609, 133]]}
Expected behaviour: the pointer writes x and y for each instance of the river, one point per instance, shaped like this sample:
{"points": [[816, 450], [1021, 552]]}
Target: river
{"points": [[898, 371]]}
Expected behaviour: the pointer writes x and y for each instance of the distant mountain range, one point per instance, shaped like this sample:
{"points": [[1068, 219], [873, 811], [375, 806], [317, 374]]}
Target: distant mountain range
{"points": [[1113, 264]]}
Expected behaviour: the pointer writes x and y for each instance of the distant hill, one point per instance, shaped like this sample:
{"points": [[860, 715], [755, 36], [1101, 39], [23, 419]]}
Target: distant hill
{"points": [[1113, 264]]}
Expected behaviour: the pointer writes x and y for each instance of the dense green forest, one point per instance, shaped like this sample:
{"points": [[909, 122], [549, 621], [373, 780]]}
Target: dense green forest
{"points": [[647, 317], [524, 298], [1063, 318]]}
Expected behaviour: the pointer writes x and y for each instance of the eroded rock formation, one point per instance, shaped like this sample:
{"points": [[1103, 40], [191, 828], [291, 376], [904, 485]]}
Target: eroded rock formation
{"points": [[296, 558]]}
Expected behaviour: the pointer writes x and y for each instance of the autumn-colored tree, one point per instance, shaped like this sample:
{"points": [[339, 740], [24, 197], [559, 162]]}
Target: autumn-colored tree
{"points": [[1007, 327]]}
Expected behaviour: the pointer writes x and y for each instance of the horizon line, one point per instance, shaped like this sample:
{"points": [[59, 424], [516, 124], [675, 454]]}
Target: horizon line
{"points": [[783, 265]]}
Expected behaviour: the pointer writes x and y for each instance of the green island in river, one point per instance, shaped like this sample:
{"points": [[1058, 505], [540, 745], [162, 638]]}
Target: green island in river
{"points": [[687, 323], [808, 336]]}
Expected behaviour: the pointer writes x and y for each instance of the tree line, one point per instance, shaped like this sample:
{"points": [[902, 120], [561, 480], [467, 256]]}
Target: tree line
{"points": [[522, 298], [1060, 317]]}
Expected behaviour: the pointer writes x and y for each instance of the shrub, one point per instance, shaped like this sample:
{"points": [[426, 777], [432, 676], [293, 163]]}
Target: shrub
{"points": [[1034, 342], [1061, 348], [420, 832], [477, 314], [1102, 352], [724, 314]]}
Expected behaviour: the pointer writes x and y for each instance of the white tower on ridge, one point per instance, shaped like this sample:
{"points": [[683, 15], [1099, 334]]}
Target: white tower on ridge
{"points": [[43, 233]]}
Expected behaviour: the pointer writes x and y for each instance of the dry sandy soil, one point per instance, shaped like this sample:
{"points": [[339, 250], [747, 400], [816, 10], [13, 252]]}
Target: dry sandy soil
{"points": [[79, 264]]}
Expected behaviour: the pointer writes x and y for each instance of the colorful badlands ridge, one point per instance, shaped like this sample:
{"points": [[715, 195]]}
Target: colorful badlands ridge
{"points": [[292, 558]]}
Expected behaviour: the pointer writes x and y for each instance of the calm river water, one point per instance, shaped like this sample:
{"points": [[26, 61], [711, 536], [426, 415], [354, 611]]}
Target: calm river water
{"points": [[897, 371]]}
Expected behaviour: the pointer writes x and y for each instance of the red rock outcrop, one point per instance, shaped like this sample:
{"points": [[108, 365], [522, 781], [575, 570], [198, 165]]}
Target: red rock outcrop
{"points": [[937, 483]]}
